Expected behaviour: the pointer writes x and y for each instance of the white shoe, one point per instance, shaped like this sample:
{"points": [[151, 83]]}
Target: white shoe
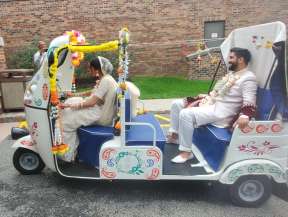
{"points": [[179, 159]]}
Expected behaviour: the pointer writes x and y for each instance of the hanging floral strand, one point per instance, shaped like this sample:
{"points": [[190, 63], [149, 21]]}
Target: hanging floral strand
{"points": [[122, 70], [123, 57], [75, 38]]}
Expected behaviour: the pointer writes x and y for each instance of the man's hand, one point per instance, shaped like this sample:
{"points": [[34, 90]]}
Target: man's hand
{"points": [[242, 122], [69, 94], [64, 105], [73, 106], [201, 95]]}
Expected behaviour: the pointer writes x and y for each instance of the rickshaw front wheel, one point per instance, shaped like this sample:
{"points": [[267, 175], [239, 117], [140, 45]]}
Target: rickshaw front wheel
{"points": [[251, 191], [27, 162]]}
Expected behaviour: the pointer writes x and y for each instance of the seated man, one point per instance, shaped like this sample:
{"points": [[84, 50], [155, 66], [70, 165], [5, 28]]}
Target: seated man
{"points": [[235, 93]]}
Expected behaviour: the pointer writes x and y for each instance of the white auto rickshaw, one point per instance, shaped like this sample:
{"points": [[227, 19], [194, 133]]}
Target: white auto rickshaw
{"points": [[248, 160]]}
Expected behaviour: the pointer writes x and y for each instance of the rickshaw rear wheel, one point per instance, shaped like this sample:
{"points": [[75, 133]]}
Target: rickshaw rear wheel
{"points": [[27, 162], [251, 191]]}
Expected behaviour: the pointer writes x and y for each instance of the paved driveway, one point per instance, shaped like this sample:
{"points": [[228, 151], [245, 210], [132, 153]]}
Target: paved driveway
{"points": [[50, 195]]}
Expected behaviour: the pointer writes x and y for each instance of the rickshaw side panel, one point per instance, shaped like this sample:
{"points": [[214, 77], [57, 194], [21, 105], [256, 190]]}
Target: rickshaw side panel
{"points": [[39, 128], [262, 140], [133, 162]]}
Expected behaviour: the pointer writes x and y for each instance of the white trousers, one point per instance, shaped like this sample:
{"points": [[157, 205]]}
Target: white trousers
{"points": [[183, 124], [184, 120]]}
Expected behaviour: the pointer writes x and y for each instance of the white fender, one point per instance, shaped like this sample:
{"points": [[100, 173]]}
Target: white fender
{"points": [[25, 142], [253, 167]]}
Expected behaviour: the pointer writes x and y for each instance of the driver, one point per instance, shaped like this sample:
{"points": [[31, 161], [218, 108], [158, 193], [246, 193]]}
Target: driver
{"points": [[235, 93], [98, 108]]}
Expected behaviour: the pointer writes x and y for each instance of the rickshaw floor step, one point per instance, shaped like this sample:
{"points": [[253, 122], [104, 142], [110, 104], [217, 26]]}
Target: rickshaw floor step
{"points": [[184, 169], [79, 169]]}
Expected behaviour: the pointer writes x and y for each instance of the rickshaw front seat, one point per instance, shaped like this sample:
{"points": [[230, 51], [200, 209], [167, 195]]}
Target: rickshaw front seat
{"points": [[91, 139]]}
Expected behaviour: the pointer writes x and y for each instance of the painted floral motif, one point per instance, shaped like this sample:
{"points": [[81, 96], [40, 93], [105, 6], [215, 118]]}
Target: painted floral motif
{"points": [[256, 169], [107, 174], [38, 102], [154, 174], [149, 163], [153, 153], [127, 162], [247, 129], [27, 142], [106, 154], [45, 91], [34, 131], [275, 128], [135, 166], [262, 128], [265, 148], [259, 42]]}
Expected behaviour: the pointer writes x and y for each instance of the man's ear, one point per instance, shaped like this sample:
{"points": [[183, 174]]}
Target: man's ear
{"points": [[241, 59]]}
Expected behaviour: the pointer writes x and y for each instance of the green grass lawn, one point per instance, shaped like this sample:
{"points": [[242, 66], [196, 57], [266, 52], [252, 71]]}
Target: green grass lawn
{"points": [[169, 87]]}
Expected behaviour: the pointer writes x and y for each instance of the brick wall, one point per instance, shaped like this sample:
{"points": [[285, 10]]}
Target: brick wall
{"points": [[168, 24], [205, 67], [2, 55]]}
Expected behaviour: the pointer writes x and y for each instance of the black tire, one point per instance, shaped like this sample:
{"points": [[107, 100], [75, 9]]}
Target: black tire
{"points": [[27, 162], [250, 191]]}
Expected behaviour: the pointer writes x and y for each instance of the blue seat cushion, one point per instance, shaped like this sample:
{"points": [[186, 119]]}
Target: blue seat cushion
{"points": [[143, 135], [212, 142], [264, 104], [91, 139]]}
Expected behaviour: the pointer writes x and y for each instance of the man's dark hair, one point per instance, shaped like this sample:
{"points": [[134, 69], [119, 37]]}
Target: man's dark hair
{"points": [[241, 52], [95, 63]]}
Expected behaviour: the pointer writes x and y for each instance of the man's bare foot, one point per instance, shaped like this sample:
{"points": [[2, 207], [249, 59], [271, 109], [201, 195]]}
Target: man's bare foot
{"points": [[185, 154]]}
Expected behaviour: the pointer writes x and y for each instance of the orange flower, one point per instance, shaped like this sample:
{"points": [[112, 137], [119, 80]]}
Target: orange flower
{"points": [[123, 86], [54, 98], [118, 125]]}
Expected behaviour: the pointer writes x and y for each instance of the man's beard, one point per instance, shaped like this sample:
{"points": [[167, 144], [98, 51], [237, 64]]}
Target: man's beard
{"points": [[232, 67]]}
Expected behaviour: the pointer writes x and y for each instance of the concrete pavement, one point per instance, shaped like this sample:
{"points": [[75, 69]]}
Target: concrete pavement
{"points": [[5, 129]]}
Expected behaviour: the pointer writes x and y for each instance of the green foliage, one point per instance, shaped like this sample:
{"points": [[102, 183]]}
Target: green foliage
{"points": [[169, 87], [81, 71], [23, 57]]}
